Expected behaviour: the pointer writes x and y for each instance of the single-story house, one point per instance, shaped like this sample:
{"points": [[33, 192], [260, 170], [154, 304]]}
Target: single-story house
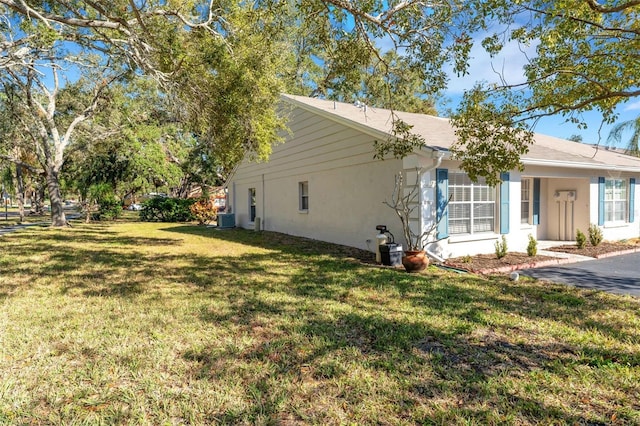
{"points": [[324, 183]]}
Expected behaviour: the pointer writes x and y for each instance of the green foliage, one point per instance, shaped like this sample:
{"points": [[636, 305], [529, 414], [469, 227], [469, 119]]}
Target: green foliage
{"points": [[501, 247], [532, 247], [132, 144], [100, 197], [595, 235], [581, 239], [109, 208], [166, 209], [585, 59], [489, 141], [204, 211], [226, 67], [229, 90]]}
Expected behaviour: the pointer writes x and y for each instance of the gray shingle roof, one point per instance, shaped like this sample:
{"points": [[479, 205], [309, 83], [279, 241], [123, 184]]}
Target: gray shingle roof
{"points": [[439, 134]]}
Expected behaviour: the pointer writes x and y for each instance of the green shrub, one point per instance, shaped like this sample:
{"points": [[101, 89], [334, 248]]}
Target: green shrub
{"points": [[595, 234], [532, 247], [166, 209], [501, 248], [581, 239], [101, 203], [109, 208], [204, 211]]}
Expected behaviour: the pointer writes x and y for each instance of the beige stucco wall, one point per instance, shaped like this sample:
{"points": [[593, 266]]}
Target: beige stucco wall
{"points": [[347, 186]]}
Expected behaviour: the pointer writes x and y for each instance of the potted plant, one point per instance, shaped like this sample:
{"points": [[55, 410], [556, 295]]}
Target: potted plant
{"points": [[404, 201]]}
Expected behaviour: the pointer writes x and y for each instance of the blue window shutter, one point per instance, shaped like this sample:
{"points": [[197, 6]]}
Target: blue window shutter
{"points": [[504, 203], [442, 197], [601, 201], [632, 198], [536, 201]]}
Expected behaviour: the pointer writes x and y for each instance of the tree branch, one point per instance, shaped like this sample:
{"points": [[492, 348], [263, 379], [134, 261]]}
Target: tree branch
{"points": [[594, 5]]}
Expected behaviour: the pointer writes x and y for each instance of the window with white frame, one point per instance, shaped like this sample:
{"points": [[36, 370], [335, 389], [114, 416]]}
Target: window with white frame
{"points": [[252, 204], [615, 200], [303, 190], [525, 201], [472, 208]]}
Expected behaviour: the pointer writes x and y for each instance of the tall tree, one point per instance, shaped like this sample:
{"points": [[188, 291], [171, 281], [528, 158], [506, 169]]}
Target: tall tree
{"points": [[49, 127], [132, 144], [219, 57]]}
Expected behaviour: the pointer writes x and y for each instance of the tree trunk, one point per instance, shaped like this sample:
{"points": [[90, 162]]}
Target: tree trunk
{"points": [[58, 217], [37, 206], [20, 191]]}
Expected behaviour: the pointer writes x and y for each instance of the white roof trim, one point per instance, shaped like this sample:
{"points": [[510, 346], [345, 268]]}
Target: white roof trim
{"points": [[576, 165]]}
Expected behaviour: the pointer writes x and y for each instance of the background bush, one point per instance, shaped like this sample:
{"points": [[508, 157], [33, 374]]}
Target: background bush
{"points": [[101, 203], [167, 209], [204, 211], [109, 208]]}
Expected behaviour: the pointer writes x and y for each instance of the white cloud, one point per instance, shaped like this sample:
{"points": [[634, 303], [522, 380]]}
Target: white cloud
{"points": [[634, 106]]}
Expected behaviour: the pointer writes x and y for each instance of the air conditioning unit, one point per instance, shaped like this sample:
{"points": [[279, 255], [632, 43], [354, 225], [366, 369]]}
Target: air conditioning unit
{"points": [[226, 220]]}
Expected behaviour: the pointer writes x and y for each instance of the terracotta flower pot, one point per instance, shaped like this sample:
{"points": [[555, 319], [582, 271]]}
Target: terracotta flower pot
{"points": [[415, 261]]}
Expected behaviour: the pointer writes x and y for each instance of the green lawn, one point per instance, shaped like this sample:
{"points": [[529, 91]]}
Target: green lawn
{"points": [[138, 323]]}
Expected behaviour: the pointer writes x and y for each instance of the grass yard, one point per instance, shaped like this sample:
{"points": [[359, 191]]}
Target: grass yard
{"points": [[152, 324]]}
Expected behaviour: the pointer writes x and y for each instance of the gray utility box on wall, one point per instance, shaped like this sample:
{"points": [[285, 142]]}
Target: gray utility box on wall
{"points": [[226, 220], [391, 254]]}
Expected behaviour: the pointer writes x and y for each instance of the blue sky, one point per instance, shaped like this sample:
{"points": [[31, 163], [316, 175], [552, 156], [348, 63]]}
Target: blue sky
{"points": [[511, 63]]}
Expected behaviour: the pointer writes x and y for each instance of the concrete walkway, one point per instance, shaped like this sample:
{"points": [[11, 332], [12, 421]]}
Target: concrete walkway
{"points": [[9, 229]]}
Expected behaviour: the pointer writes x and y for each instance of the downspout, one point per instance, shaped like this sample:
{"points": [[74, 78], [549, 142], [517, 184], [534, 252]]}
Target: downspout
{"points": [[438, 163]]}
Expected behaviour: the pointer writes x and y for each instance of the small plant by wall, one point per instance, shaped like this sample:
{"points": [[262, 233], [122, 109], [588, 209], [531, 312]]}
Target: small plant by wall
{"points": [[581, 239], [501, 248], [532, 247], [595, 235]]}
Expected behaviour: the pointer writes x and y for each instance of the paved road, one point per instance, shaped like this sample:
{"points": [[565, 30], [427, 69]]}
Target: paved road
{"points": [[616, 274]]}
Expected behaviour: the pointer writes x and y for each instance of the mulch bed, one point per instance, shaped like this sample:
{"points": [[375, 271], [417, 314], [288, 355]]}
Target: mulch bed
{"points": [[489, 263], [600, 250]]}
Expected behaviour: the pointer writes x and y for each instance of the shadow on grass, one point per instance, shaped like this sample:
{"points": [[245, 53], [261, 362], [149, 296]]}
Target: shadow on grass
{"points": [[311, 314]]}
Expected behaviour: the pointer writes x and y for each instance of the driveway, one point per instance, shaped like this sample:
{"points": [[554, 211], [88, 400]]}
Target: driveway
{"points": [[615, 274]]}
